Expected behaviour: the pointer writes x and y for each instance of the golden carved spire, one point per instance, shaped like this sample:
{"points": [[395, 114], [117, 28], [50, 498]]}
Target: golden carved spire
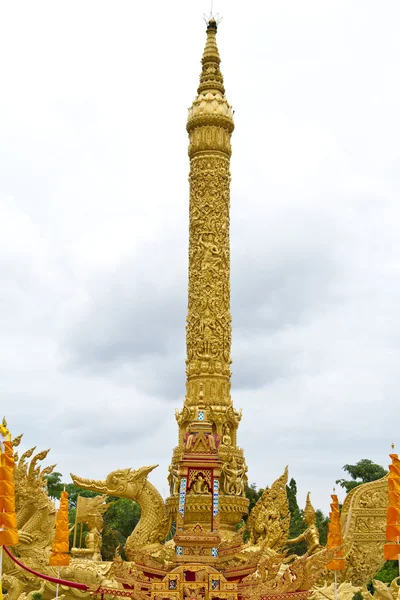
{"points": [[211, 77], [208, 337], [208, 412]]}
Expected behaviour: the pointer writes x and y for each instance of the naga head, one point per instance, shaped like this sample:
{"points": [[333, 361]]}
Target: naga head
{"points": [[124, 483]]}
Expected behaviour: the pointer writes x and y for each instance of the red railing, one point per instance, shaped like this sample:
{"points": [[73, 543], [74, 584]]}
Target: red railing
{"points": [[71, 584]]}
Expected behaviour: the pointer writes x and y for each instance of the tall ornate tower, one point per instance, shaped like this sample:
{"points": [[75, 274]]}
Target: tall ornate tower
{"points": [[208, 468]]}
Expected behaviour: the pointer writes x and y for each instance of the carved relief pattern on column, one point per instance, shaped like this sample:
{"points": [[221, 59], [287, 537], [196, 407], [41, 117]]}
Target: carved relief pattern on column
{"points": [[208, 337]]}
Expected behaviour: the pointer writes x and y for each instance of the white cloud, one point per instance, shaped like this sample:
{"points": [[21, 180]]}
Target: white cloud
{"points": [[93, 230]]}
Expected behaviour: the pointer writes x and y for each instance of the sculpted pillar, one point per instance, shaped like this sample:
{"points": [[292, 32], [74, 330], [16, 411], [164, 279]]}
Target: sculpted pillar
{"points": [[208, 327], [208, 330]]}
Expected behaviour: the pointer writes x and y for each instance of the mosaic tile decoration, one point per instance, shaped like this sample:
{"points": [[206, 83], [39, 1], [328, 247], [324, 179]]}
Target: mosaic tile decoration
{"points": [[215, 497], [182, 496]]}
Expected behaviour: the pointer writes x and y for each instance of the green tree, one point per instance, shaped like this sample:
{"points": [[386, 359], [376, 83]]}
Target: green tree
{"points": [[253, 494], [388, 572], [119, 522], [297, 523], [362, 472], [54, 485], [321, 522]]}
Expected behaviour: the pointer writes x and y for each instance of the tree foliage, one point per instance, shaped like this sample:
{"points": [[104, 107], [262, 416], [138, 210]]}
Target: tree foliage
{"points": [[253, 494], [362, 472], [389, 571], [54, 485], [297, 523]]}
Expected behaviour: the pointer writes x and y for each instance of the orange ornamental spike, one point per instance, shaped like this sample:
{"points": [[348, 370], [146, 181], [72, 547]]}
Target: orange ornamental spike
{"points": [[59, 556], [392, 551], [8, 519], [335, 539]]}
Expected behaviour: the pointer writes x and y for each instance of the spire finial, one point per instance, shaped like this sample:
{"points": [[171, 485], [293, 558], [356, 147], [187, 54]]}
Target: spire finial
{"points": [[212, 20], [211, 78]]}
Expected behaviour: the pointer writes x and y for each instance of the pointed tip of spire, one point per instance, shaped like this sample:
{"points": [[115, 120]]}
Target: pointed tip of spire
{"points": [[211, 102], [211, 77]]}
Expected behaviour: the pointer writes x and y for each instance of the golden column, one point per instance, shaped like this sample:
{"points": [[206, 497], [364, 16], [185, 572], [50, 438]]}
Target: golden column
{"points": [[208, 330]]}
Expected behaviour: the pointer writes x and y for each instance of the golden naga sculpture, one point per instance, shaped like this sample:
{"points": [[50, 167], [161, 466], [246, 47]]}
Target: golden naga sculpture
{"points": [[269, 520], [36, 516], [154, 524], [207, 558]]}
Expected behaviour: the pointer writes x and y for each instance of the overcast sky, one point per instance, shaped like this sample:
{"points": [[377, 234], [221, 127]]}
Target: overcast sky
{"points": [[94, 230]]}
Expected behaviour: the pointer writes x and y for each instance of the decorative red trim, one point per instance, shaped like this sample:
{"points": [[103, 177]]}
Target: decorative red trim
{"points": [[212, 499], [71, 584]]}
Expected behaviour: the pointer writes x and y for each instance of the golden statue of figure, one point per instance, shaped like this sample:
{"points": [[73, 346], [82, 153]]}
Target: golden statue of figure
{"points": [[90, 511], [200, 485], [93, 542], [227, 439], [233, 478], [311, 534]]}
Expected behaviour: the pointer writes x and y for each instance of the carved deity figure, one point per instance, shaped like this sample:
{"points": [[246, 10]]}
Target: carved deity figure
{"points": [[190, 440], [207, 327], [311, 534], [211, 441], [173, 479], [227, 439], [93, 541], [199, 485], [233, 478], [212, 255]]}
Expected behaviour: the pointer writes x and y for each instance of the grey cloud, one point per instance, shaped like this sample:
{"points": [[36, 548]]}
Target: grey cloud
{"points": [[93, 233]]}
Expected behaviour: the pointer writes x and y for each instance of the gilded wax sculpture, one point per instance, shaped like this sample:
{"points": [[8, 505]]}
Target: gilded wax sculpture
{"points": [[207, 557]]}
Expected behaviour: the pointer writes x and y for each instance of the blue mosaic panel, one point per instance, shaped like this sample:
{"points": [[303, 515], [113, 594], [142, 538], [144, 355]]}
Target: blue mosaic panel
{"points": [[200, 415], [182, 496], [215, 497], [179, 550], [214, 551]]}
